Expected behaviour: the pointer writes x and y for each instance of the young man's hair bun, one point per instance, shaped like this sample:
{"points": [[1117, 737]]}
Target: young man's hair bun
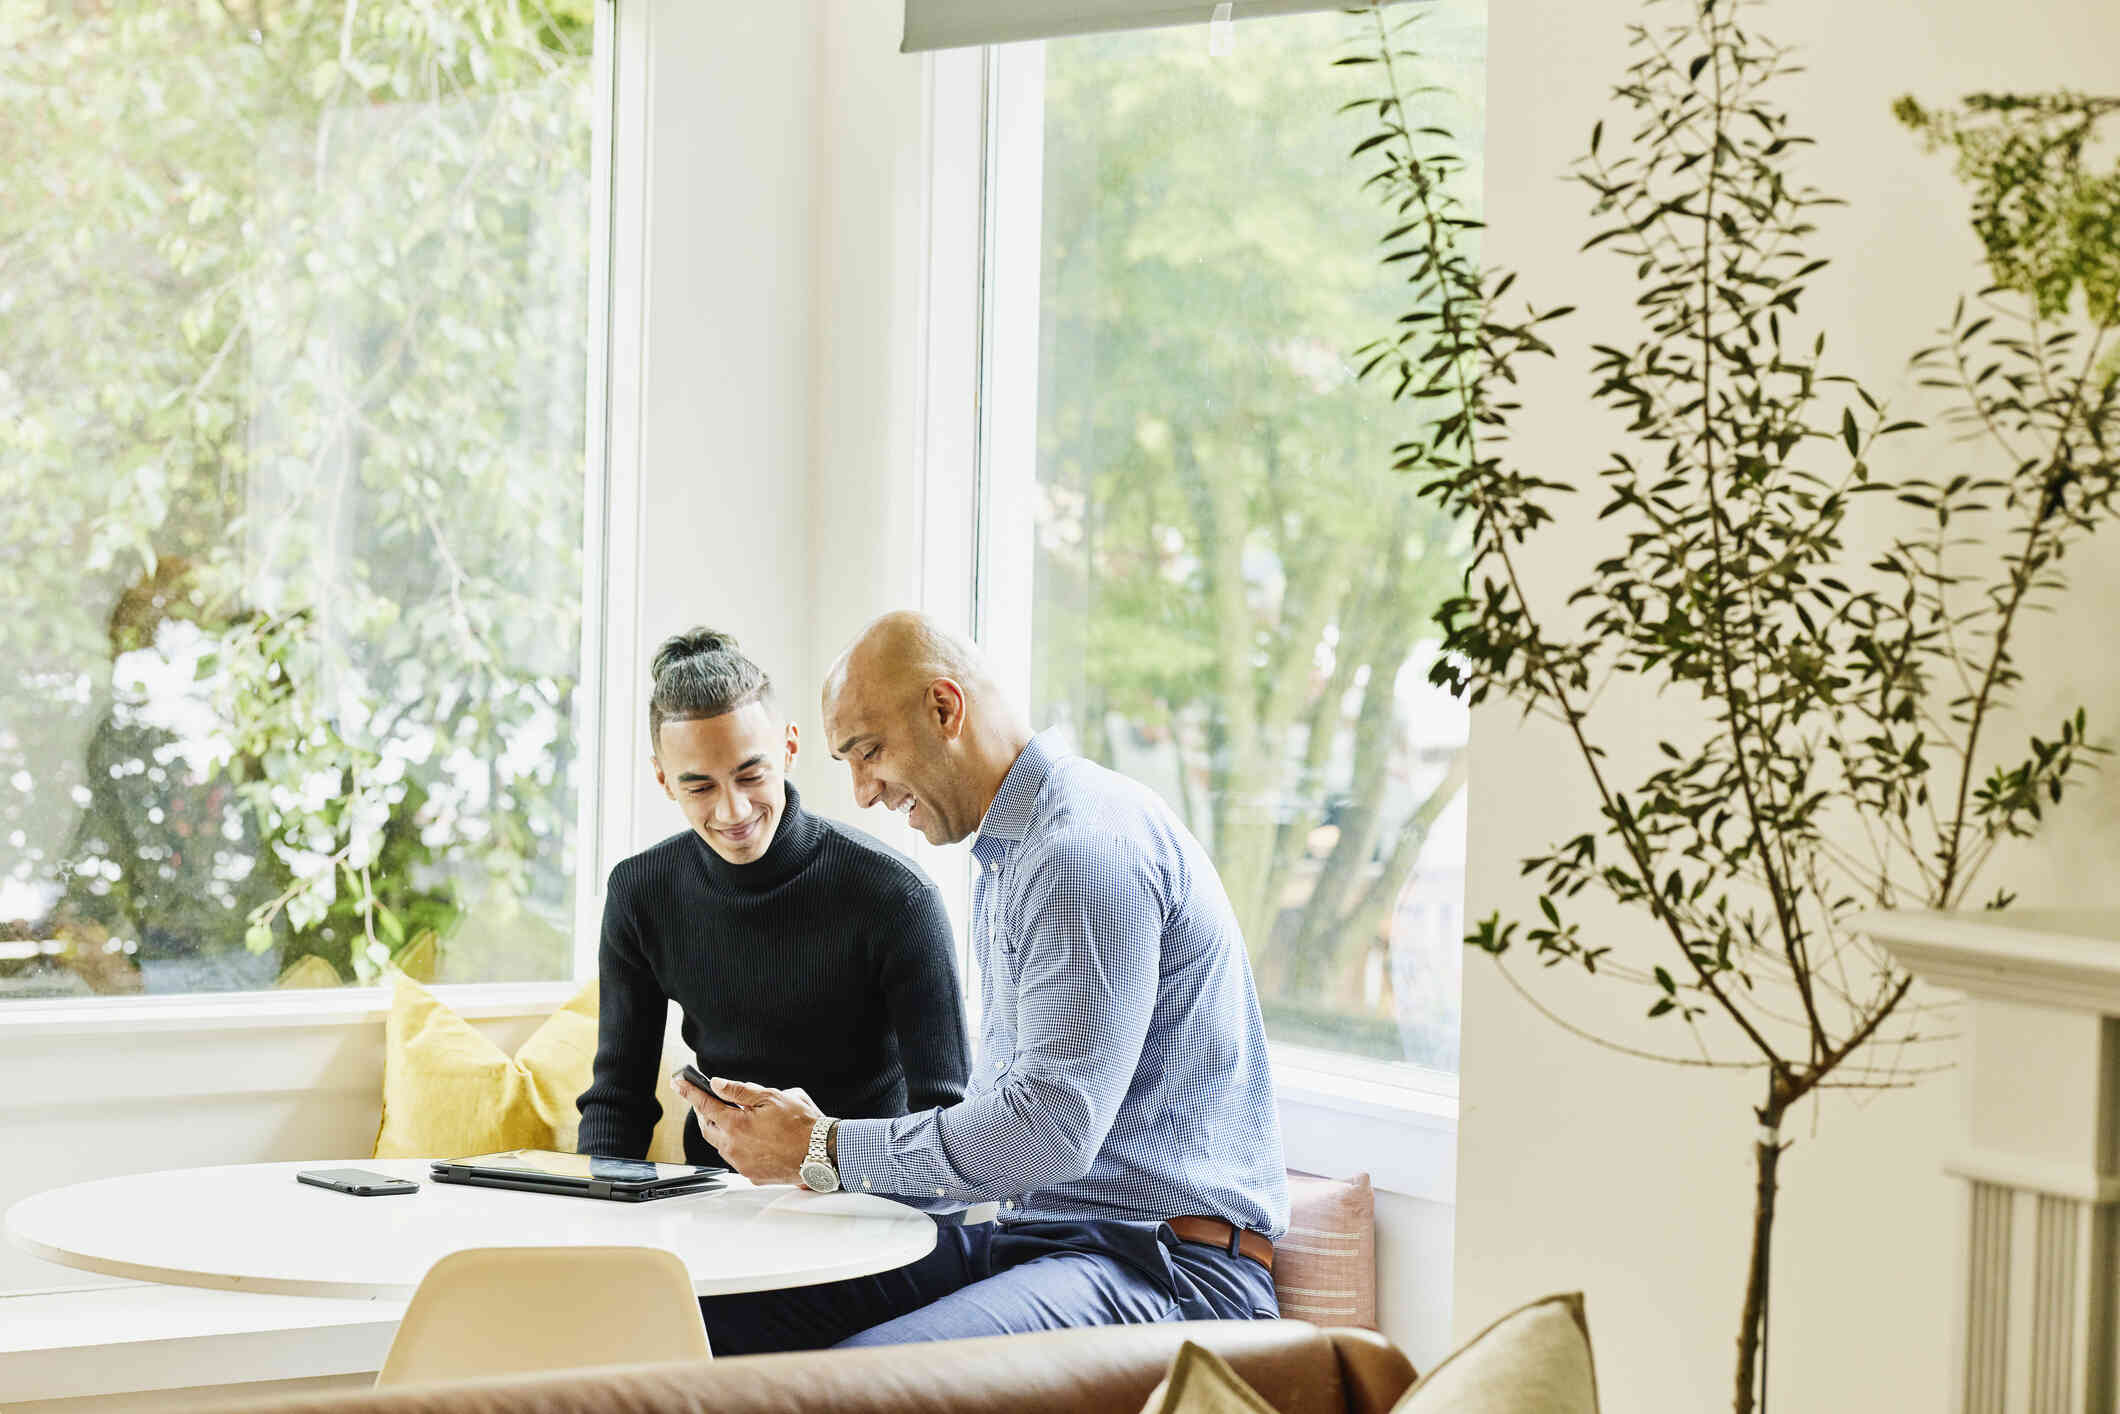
{"points": [[702, 673], [692, 643]]}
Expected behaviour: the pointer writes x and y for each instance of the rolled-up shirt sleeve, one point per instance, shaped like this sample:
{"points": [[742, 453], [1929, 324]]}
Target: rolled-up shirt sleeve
{"points": [[1082, 930]]}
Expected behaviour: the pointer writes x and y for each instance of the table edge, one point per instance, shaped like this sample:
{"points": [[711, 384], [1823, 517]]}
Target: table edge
{"points": [[377, 1291]]}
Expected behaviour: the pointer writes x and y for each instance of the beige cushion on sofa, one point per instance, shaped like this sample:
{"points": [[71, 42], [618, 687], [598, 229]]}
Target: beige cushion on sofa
{"points": [[1201, 1382], [1535, 1360], [1325, 1268]]}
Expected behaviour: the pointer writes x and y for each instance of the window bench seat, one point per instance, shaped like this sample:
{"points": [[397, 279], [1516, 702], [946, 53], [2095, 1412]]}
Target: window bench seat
{"points": [[97, 1343]]}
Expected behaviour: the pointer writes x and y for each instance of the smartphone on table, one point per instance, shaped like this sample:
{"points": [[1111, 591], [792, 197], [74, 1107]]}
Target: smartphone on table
{"points": [[361, 1183]]}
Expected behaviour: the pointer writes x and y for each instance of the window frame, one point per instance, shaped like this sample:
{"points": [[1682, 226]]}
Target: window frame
{"points": [[1407, 1140], [610, 610]]}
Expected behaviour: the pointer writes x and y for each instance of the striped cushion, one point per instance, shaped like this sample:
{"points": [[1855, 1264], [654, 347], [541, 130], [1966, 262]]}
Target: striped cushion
{"points": [[1325, 1269]]}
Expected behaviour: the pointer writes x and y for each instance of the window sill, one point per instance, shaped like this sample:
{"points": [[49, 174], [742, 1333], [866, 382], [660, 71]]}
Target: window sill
{"points": [[245, 1011], [1360, 1086], [1406, 1140]]}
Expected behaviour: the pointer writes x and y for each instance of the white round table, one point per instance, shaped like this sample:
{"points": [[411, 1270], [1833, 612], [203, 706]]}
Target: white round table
{"points": [[251, 1227]]}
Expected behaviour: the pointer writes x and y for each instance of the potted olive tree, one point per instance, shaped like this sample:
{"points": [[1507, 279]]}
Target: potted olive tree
{"points": [[1843, 706]]}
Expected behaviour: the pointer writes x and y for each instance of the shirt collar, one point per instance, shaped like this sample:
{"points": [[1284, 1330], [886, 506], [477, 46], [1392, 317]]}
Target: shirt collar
{"points": [[1008, 818]]}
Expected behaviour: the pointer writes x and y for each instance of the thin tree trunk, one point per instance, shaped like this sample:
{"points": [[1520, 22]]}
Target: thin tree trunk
{"points": [[1096, 730], [1752, 1333], [1186, 810], [1362, 919], [1318, 938], [1321, 721], [1244, 765]]}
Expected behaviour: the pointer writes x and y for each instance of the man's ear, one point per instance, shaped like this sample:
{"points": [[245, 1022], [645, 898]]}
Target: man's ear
{"points": [[946, 707], [794, 746], [656, 762]]}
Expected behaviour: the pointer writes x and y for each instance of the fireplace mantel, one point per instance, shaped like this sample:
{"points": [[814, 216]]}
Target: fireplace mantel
{"points": [[2040, 1059], [2061, 958]]}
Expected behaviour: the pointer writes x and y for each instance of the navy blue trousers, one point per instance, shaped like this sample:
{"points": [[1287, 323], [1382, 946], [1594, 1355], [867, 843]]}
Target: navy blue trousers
{"points": [[997, 1279]]}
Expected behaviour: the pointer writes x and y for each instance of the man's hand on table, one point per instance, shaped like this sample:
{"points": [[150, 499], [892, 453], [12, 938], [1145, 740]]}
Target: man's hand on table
{"points": [[761, 1132]]}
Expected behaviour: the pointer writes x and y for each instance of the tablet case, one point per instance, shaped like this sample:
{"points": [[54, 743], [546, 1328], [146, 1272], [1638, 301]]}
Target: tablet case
{"points": [[613, 1190]]}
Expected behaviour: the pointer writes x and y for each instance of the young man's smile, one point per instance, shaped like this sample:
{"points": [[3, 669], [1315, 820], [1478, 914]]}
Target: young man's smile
{"points": [[729, 776], [740, 835]]}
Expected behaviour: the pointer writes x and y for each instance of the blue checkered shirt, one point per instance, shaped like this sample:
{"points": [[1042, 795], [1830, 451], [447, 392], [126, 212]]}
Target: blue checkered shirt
{"points": [[1122, 1071]]}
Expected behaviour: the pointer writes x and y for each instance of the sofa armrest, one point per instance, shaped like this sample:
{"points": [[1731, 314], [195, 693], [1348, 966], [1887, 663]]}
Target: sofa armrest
{"points": [[1373, 1371], [1296, 1368]]}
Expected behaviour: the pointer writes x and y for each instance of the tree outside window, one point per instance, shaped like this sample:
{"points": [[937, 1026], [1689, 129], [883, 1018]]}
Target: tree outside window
{"points": [[1232, 587], [292, 429]]}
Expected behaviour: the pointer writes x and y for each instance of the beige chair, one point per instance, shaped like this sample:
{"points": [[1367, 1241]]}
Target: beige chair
{"points": [[518, 1310]]}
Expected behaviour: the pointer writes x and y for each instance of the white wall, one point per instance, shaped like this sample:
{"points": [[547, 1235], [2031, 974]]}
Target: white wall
{"points": [[866, 388], [728, 385], [1413, 1275], [1579, 1168]]}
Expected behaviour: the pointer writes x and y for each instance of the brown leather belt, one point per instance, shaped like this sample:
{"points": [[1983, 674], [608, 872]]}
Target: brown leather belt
{"points": [[1236, 1241]]}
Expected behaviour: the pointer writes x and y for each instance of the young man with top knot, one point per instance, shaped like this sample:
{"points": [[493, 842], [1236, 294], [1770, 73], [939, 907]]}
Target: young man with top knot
{"points": [[803, 953]]}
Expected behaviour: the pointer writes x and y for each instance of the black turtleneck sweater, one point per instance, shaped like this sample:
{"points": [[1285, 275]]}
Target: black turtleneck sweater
{"points": [[825, 963]]}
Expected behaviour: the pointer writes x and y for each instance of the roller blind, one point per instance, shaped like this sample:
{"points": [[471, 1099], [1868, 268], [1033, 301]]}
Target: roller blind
{"points": [[952, 24]]}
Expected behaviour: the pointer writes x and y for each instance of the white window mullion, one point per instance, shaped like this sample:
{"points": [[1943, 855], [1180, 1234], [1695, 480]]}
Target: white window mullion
{"points": [[611, 498], [1009, 343], [948, 455]]}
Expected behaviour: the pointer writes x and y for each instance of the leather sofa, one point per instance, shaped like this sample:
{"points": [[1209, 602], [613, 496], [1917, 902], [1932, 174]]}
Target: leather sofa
{"points": [[1296, 1368]]}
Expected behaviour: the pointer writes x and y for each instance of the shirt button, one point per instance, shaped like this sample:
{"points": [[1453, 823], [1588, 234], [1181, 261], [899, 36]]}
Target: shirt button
{"points": [[864, 1183], [938, 1193], [1001, 1065], [1010, 1205]]}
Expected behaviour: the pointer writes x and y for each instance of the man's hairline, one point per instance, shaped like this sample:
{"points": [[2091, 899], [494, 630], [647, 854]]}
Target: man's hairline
{"points": [[762, 698], [964, 684]]}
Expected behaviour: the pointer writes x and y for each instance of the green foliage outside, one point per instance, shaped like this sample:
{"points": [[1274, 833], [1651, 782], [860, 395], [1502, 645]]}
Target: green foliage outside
{"points": [[291, 485], [291, 436], [1229, 574]]}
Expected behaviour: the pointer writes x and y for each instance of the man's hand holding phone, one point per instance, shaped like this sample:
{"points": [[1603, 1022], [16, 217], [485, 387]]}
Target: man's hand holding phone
{"points": [[763, 1135], [692, 1086], [689, 1075]]}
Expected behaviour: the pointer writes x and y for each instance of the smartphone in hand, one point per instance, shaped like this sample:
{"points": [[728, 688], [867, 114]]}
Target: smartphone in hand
{"points": [[691, 1075]]}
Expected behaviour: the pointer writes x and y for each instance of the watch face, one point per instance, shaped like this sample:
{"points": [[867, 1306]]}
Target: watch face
{"points": [[820, 1178]]}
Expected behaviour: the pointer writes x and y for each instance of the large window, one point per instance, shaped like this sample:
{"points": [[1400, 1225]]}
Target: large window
{"points": [[293, 488], [1229, 590]]}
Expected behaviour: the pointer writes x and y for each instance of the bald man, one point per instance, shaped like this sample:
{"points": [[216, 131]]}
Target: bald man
{"points": [[1120, 1113]]}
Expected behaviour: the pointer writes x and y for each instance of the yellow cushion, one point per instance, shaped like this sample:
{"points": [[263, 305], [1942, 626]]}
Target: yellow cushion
{"points": [[449, 1092]]}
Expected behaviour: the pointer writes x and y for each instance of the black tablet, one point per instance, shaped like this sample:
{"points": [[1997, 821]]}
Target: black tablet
{"points": [[579, 1175]]}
